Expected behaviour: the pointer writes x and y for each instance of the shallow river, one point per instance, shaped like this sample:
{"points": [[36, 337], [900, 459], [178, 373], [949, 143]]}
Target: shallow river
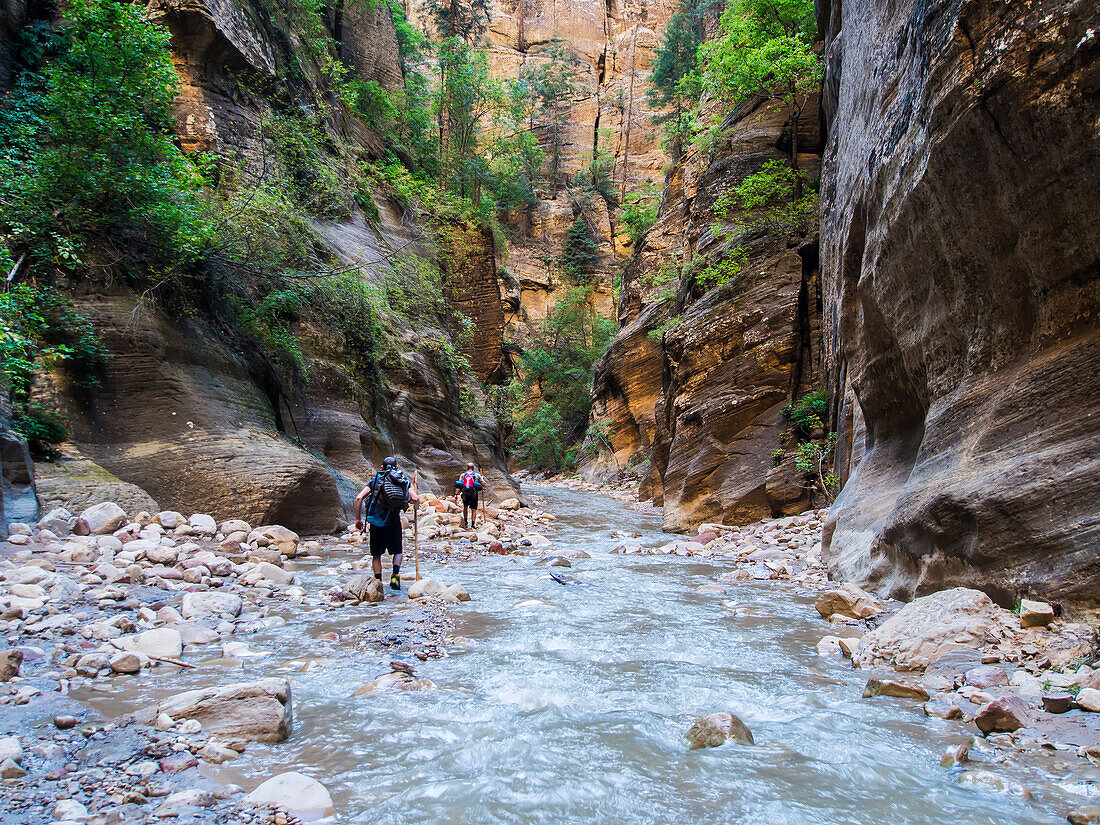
{"points": [[577, 713]]}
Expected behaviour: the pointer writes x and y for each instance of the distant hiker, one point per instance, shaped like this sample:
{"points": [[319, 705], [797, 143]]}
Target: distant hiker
{"points": [[387, 495], [468, 486]]}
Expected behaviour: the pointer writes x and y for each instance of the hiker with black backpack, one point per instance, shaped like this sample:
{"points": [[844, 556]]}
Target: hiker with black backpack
{"points": [[387, 495], [469, 484]]}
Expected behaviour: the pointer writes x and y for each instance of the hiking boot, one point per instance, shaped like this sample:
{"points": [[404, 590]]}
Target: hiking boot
{"points": [[395, 583]]}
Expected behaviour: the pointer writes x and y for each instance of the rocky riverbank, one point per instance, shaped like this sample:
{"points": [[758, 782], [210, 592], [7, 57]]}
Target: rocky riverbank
{"points": [[1021, 684], [91, 600]]}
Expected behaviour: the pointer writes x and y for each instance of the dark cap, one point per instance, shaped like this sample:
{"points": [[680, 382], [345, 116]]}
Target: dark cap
{"points": [[389, 461]]}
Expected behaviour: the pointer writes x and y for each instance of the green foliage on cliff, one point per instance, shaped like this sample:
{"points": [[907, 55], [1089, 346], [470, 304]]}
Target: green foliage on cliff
{"points": [[807, 413], [579, 253], [85, 142], [764, 50], [38, 330], [558, 370], [640, 213]]}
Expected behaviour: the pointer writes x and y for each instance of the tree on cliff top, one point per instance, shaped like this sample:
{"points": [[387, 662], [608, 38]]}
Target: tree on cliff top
{"points": [[672, 81], [466, 19], [764, 49]]}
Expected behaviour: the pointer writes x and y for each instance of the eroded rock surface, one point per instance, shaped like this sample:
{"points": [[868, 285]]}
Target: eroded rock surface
{"points": [[960, 251]]}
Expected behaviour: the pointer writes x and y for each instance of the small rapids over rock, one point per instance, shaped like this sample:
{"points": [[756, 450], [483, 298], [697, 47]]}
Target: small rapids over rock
{"points": [[567, 700]]}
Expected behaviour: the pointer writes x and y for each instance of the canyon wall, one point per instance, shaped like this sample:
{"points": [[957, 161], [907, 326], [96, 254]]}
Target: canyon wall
{"points": [[696, 379], [961, 255], [188, 414]]}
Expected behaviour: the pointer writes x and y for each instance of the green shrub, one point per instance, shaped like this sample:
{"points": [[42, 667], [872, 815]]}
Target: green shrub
{"points": [[87, 149], [42, 428], [639, 214], [579, 253], [539, 441], [808, 413]]}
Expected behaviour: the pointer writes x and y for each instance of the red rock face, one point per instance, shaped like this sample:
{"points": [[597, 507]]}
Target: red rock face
{"points": [[472, 288], [960, 251], [697, 380]]}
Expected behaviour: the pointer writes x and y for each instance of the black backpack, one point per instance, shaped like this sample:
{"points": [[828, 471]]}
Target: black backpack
{"points": [[392, 489]]}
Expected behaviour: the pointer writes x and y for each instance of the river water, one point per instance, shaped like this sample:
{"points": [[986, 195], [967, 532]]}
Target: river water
{"points": [[575, 712]]}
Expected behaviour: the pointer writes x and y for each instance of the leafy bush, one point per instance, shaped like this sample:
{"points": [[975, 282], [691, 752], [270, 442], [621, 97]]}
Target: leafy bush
{"points": [[86, 145], [808, 413], [813, 458], [639, 214], [42, 428], [539, 441], [772, 196]]}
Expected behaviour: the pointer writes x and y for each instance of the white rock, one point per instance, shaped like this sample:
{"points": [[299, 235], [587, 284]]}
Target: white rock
{"points": [[203, 523], [162, 642], [274, 574], [10, 749], [509, 504], [128, 661], [227, 528], [18, 539], [57, 521], [426, 587], [164, 722], [928, 628], [297, 793], [70, 809], [277, 536], [101, 519], [241, 650], [28, 591], [1089, 699], [18, 529], [190, 727], [459, 592], [169, 519], [209, 604]]}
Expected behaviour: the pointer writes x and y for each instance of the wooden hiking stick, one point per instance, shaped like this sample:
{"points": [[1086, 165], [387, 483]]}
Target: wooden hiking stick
{"points": [[416, 527]]}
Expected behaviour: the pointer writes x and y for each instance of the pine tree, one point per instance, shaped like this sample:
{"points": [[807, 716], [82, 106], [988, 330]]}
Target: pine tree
{"points": [[552, 87], [466, 19]]}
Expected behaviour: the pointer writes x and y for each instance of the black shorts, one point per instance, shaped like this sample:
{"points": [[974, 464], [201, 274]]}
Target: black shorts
{"points": [[386, 539], [469, 498]]}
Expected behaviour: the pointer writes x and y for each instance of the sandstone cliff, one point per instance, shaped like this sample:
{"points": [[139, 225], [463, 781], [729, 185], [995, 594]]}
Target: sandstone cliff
{"points": [[189, 415], [697, 377], [961, 254]]}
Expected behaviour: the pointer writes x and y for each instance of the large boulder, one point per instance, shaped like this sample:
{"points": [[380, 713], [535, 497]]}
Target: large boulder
{"points": [[258, 711], [278, 537], [74, 484], [926, 629], [100, 519], [297, 794], [960, 243], [717, 729], [848, 600], [365, 588]]}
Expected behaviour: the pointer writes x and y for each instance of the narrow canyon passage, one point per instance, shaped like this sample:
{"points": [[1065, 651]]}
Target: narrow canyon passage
{"points": [[573, 707]]}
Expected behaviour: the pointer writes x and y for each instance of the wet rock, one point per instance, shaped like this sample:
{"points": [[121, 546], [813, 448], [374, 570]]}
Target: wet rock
{"points": [[191, 798], [100, 519], [242, 650], [1089, 699], [259, 711], [898, 690], [11, 770], [509, 504], [10, 662], [210, 604], [954, 755], [987, 780], [942, 708], [459, 592], [1003, 715], [127, 662], [986, 676], [928, 628], [711, 588], [427, 587], [848, 600], [1058, 702], [296, 793], [364, 588], [161, 642], [176, 762], [397, 680], [828, 646], [65, 722], [1085, 815], [57, 521], [1035, 614], [717, 729], [553, 561]]}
